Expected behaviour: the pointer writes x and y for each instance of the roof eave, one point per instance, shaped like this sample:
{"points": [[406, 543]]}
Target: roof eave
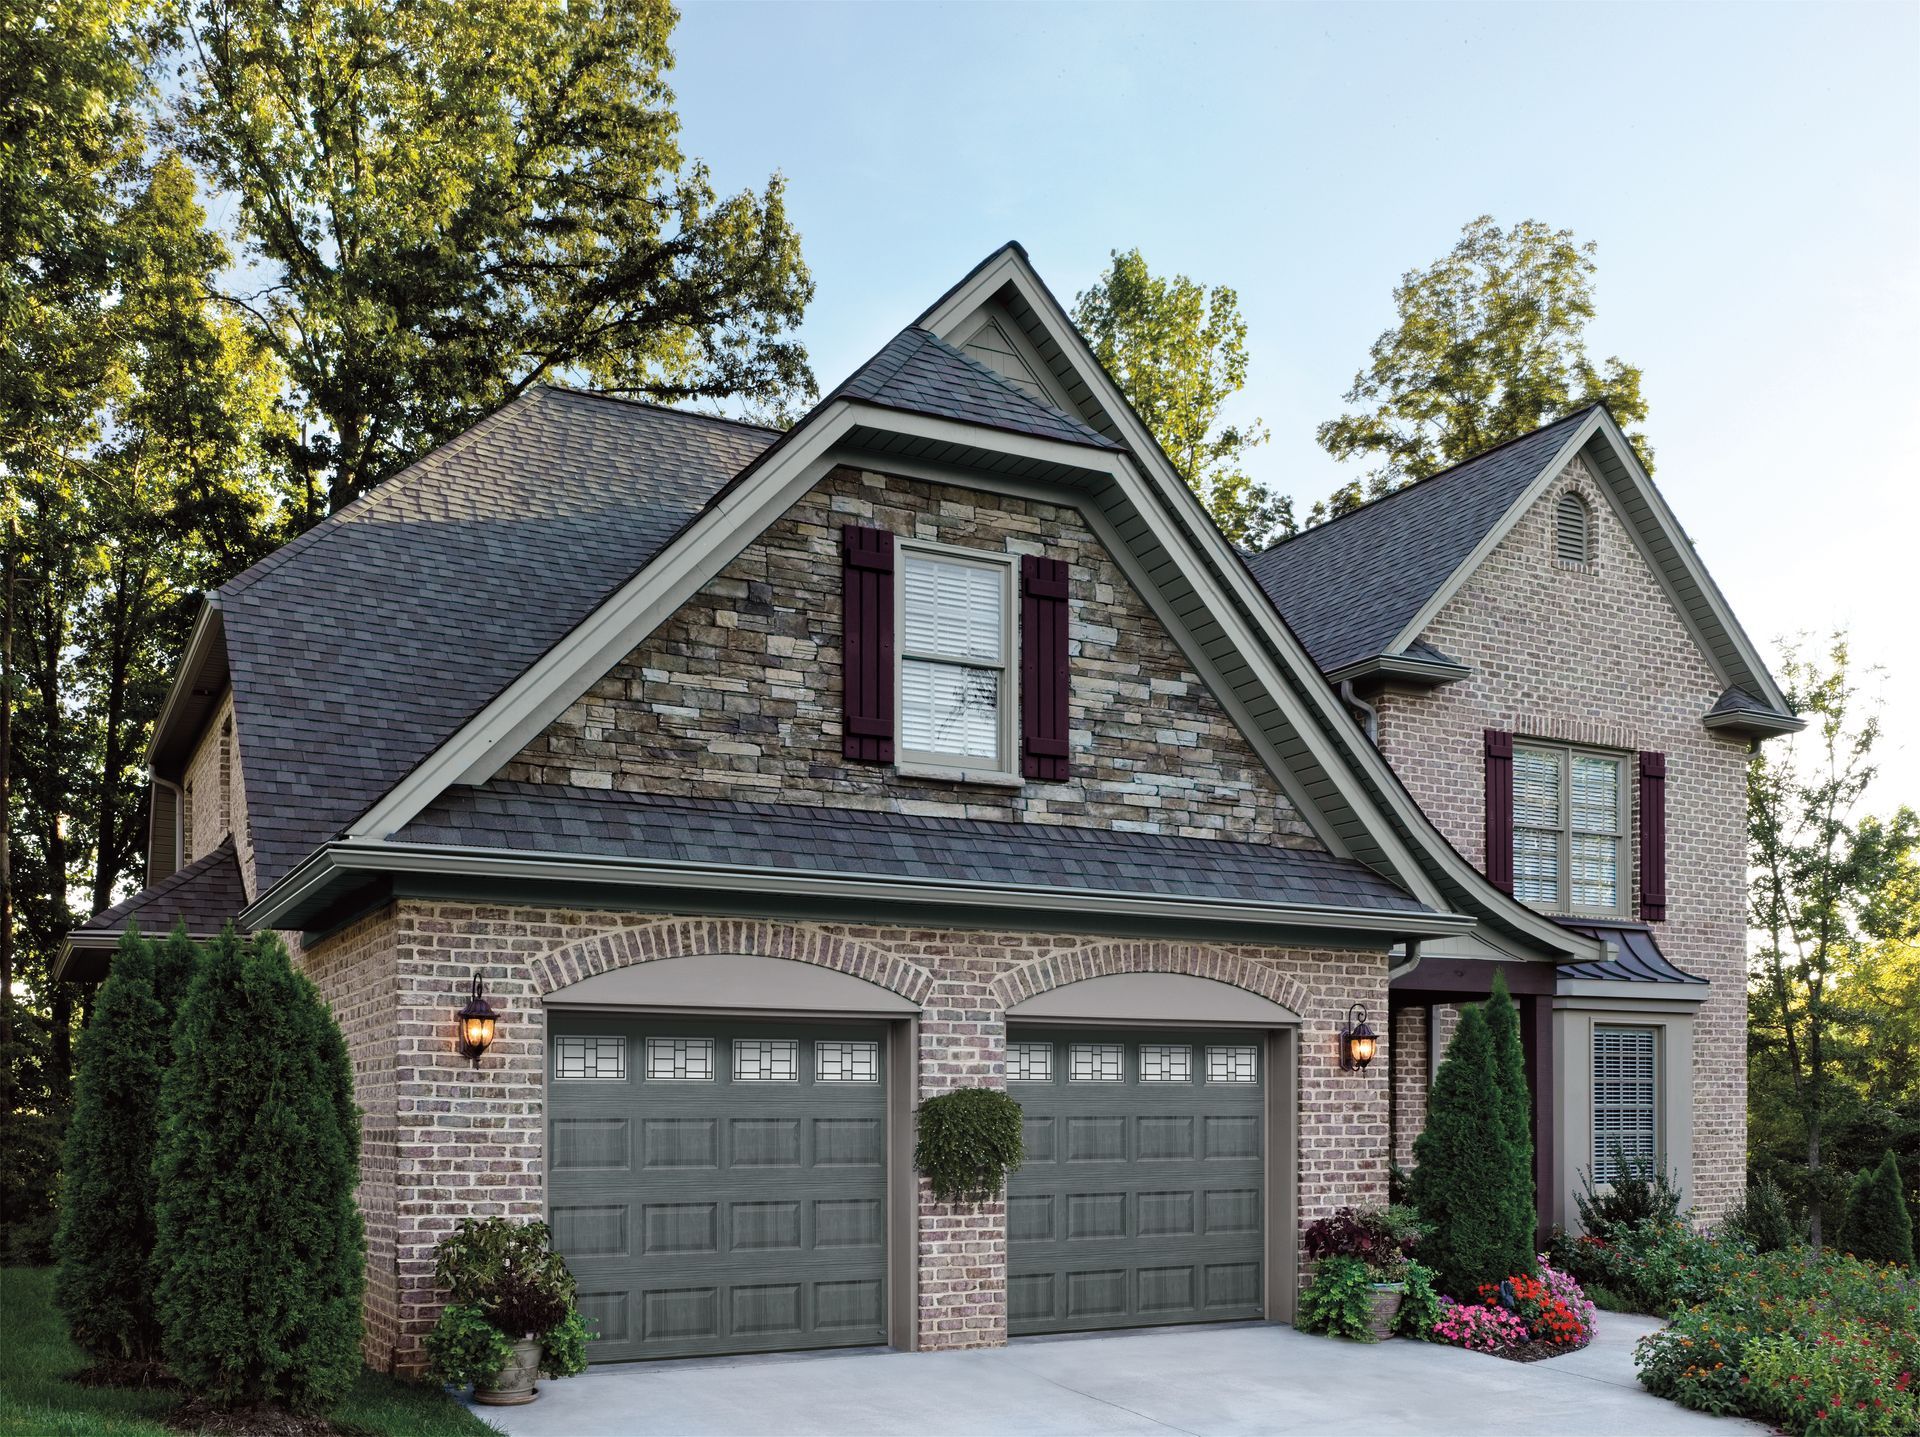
{"points": [[206, 641], [1752, 725], [1398, 669]]}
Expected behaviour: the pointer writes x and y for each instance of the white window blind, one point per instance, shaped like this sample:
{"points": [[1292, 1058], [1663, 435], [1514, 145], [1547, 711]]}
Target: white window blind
{"points": [[1594, 858], [1625, 1115], [953, 631], [1536, 826], [1569, 815]]}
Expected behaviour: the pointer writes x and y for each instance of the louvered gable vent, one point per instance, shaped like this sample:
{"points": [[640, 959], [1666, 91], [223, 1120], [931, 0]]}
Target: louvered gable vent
{"points": [[1572, 530]]}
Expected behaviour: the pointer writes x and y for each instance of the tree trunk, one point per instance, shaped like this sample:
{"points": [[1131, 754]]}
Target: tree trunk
{"points": [[11, 569]]}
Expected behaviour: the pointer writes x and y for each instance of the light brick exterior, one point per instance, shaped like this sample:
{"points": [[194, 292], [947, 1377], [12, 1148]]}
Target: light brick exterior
{"points": [[1596, 654]]}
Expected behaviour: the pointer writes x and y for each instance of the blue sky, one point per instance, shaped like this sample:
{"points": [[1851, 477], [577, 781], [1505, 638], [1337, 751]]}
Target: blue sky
{"points": [[1751, 175]]}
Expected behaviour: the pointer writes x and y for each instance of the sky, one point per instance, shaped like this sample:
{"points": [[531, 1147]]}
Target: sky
{"points": [[1749, 173]]}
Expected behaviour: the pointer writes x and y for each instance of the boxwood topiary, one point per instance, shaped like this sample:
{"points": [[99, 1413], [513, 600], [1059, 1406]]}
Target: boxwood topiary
{"points": [[969, 1141]]}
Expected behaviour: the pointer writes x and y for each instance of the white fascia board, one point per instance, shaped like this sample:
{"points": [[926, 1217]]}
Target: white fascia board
{"points": [[208, 629], [490, 739]]}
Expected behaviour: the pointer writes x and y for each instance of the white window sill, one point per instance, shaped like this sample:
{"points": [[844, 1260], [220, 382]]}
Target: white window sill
{"points": [[992, 777]]}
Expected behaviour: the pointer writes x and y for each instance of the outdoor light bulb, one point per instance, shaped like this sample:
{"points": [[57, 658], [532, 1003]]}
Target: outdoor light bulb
{"points": [[479, 1032], [1364, 1047]]}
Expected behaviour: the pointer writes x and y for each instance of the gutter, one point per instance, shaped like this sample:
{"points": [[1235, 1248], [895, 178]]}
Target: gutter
{"points": [[1369, 715], [342, 859], [1401, 667]]}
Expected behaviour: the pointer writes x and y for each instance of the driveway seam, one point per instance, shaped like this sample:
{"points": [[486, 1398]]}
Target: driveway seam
{"points": [[1109, 1402]]}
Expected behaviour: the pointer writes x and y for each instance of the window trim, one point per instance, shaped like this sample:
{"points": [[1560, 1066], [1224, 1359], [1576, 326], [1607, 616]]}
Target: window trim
{"points": [[1622, 834], [925, 763], [1657, 1104]]}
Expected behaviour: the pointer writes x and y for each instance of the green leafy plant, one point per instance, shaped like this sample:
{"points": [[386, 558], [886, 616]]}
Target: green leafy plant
{"points": [[506, 1275], [1641, 1192], [1878, 1226], [1765, 1218], [1421, 1307], [465, 1348], [1339, 1300], [968, 1143]]}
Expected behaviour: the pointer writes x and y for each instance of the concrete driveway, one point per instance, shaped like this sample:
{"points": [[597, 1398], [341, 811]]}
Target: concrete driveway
{"points": [[1247, 1378]]}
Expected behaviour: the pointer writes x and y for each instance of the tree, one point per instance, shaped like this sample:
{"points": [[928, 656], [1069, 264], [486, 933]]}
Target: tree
{"points": [[104, 1283], [1825, 892], [1489, 346], [449, 202], [1178, 351], [260, 1251], [1469, 1181], [1515, 1100], [1878, 1226]]}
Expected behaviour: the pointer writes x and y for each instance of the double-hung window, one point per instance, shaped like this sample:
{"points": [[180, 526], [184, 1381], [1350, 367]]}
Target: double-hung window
{"points": [[955, 642], [1626, 1115], [1569, 829]]}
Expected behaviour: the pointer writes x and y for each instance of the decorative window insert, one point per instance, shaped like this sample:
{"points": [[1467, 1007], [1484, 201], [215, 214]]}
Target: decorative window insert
{"points": [[680, 1060], [1569, 826], [1625, 1103], [1030, 1062], [1233, 1063], [766, 1060], [1166, 1063], [956, 641], [590, 1060], [1096, 1063], [1572, 530], [846, 1062]]}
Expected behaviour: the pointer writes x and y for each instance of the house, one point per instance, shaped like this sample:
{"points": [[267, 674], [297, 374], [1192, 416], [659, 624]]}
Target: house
{"points": [[769, 783]]}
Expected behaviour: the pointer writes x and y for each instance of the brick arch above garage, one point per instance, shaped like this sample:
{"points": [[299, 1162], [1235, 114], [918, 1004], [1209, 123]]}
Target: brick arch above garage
{"points": [[1105, 959]]}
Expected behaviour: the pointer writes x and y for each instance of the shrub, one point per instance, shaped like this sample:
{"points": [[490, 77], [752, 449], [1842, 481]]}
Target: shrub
{"points": [[1764, 1217], [1877, 1226], [1516, 1111], [1641, 1193], [1646, 1268], [1421, 1308], [1339, 1300], [259, 1256], [505, 1276], [104, 1283], [464, 1348], [1470, 1183], [1479, 1328], [969, 1141]]}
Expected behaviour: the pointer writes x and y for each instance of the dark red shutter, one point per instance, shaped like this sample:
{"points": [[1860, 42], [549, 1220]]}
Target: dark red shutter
{"points": [[1653, 837], [1043, 668], [866, 591], [1499, 865]]}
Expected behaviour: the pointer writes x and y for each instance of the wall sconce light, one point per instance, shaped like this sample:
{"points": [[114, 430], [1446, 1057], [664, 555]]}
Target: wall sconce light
{"points": [[476, 1024], [1358, 1041]]}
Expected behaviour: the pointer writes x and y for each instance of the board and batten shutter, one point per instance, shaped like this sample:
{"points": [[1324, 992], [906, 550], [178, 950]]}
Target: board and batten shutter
{"points": [[1043, 668], [1653, 837], [866, 591], [1499, 861]]}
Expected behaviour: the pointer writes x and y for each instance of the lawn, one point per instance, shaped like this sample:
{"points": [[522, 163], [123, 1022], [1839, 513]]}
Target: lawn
{"points": [[37, 1401]]}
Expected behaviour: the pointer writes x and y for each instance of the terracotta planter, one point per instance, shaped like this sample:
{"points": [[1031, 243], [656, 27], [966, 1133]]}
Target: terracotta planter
{"points": [[513, 1385], [1387, 1297]]}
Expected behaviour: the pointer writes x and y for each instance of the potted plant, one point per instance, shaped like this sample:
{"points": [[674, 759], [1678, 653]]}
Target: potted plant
{"points": [[511, 1317], [1381, 1241]]}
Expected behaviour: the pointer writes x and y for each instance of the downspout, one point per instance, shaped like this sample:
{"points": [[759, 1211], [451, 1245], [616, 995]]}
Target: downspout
{"points": [[1369, 715], [1407, 963]]}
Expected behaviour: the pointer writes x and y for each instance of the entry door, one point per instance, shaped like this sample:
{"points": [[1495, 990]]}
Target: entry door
{"points": [[719, 1187], [1141, 1199]]}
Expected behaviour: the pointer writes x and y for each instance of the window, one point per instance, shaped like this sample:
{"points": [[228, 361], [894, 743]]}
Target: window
{"points": [[595, 1060], [1166, 1063], [846, 1062], [1234, 1064], [1095, 1063], [1569, 812], [684, 1060], [1572, 530], [766, 1060], [1625, 1119], [1030, 1062], [956, 703]]}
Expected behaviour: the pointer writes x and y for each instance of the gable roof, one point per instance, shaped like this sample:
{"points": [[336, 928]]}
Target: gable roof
{"points": [[358, 648], [206, 895], [1350, 586]]}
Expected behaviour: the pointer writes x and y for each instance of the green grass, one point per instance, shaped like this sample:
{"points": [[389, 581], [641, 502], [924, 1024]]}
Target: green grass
{"points": [[36, 1400]]}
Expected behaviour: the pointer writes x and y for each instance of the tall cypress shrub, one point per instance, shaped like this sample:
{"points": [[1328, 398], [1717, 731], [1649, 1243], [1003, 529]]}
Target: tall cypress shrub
{"points": [[260, 1252], [1464, 1183], [1516, 1109], [1878, 1226], [103, 1282]]}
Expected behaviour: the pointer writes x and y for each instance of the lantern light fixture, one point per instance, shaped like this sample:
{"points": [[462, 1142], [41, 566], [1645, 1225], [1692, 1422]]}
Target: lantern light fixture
{"points": [[477, 1022], [1358, 1041]]}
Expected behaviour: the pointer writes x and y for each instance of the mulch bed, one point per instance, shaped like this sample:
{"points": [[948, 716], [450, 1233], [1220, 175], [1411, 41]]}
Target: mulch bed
{"points": [[1535, 1352], [200, 1417], [119, 1372]]}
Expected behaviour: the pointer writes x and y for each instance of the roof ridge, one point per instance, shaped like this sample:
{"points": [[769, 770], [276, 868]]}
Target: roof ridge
{"points": [[656, 406]]}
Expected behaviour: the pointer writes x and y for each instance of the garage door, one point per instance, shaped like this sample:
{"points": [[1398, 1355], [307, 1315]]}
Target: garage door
{"points": [[1141, 1198], [719, 1187]]}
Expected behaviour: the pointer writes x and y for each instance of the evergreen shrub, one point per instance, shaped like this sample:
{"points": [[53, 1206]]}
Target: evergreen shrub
{"points": [[968, 1142], [1878, 1227]]}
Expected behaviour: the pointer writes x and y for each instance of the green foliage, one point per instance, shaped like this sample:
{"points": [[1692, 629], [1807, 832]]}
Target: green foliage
{"points": [[1490, 345], [1178, 351], [465, 1348], [563, 1349], [1647, 1266], [506, 1275], [1878, 1226], [448, 203], [1642, 1192], [968, 1142], [1420, 1308], [105, 1284], [1339, 1300], [1764, 1217], [259, 1258], [1515, 1102], [1469, 1182]]}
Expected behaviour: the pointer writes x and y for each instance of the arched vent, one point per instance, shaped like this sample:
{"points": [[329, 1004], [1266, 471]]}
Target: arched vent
{"points": [[1572, 530]]}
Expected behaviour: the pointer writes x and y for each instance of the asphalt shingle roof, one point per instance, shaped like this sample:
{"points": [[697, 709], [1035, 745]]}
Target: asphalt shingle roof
{"points": [[924, 375], [363, 645], [203, 895], [535, 818], [1640, 960], [1737, 700], [1347, 588]]}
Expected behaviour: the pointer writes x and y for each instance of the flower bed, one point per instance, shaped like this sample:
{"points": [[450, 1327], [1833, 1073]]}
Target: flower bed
{"points": [[1523, 1318]]}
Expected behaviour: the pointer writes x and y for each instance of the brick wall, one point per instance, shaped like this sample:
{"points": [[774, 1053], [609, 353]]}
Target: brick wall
{"points": [[1408, 1058], [1595, 654], [208, 785], [738, 695], [469, 1142]]}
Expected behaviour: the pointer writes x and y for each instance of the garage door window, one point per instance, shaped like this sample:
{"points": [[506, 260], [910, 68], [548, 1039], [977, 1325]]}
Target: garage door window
{"points": [[1030, 1062], [1166, 1063], [680, 1060], [846, 1062], [594, 1060], [1096, 1063], [766, 1060], [1233, 1064]]}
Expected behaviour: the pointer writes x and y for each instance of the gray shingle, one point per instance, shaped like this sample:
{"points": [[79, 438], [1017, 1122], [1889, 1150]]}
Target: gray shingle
{"points": [[203, 895], [1348, 587], [533, 818], [1737, 700], [1640, 960]]}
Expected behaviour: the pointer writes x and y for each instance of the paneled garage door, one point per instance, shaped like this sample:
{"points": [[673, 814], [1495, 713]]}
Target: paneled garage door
{"points": [[1142, 1195], [719, 1187]]}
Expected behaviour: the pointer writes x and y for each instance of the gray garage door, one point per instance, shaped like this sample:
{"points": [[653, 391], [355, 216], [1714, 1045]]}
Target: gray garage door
{"points": [[719, 1187], [1141, 1198]]}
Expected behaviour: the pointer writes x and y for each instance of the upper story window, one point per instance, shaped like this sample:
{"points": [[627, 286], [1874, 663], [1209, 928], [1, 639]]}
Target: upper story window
{"points": [[955, 639], [1569, 827], [1572, 530]]}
